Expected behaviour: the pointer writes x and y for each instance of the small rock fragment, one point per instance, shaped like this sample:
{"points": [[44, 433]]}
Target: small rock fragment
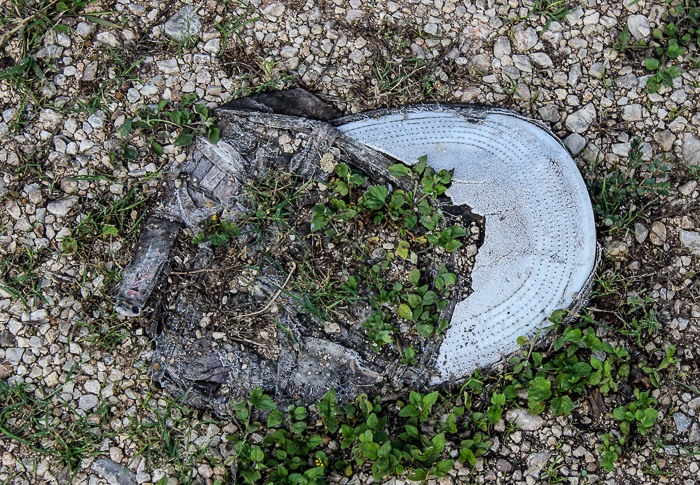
{"points": [[579, 121], [61, 207], [575, 143], [114, 473], [694, 436], [540, 59], [691, 240], [665, 139], [525, 38], [501, 48], [657, 236], [503, 465], [638, 26], [549, 112], [535, 463], [682, 421], [87, 402], [108, 38], [616, 250], [184, 24], [632, 112], [524, 420], [640, 232], [691, 149]]}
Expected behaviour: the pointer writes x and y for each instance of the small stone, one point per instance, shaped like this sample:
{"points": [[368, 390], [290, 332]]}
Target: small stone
{"points": [[14, 355], [205, 471], [640, 232], [638, 26], [665, 139], [621, 149], [694, 436], [87, 402], [354, 15], [575, 143], [657, 235], [682, 421], [13, 209], [7, 339], [133, 95], [108, 38], [503, 465], [184, 24], [591, 19], [535, 463], [525, 38], [288, 51], [574, 16], [50, 119], [501, 47], [431, 28], [168, 66], [90, 71], [691, 149], [632, 112], [212, 46], [95, 120], [69, 185], [616, 250], [540, 59], [61, 207], [597, 70], [116, 454], [688, 188], [691, 240], [5, 371], [550, 112], [85, 29], [114, 473], [274, 9], [579, 121], [481, 62], [524, 420]]}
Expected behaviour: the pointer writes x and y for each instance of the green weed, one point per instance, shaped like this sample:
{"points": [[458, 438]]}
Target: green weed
{"points": [[672, 41], [189, 121], [28, 416], [613, 194], [639, 414], [234, 26]]}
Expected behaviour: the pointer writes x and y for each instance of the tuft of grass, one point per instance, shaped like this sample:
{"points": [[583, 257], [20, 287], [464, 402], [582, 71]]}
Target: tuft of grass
{"points": [[671, 41], [30, 21], [553, 10], [233, 26], [47, 425], [119, 218], [614, 194], [165, 432], [19, 275]]}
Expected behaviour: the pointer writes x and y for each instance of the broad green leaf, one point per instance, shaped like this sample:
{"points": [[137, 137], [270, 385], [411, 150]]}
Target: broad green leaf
{"points": [[213, 134], [399, 170], [125, 129], [184, 139], [256, 454], [452, 245], [405, 312], [375, 197], [403, 249], [414, 277], [651, 63], [109, 230], [275, 418]]}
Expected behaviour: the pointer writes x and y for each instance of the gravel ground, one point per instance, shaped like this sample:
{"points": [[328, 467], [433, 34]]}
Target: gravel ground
{"points": [[65, 345]]}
